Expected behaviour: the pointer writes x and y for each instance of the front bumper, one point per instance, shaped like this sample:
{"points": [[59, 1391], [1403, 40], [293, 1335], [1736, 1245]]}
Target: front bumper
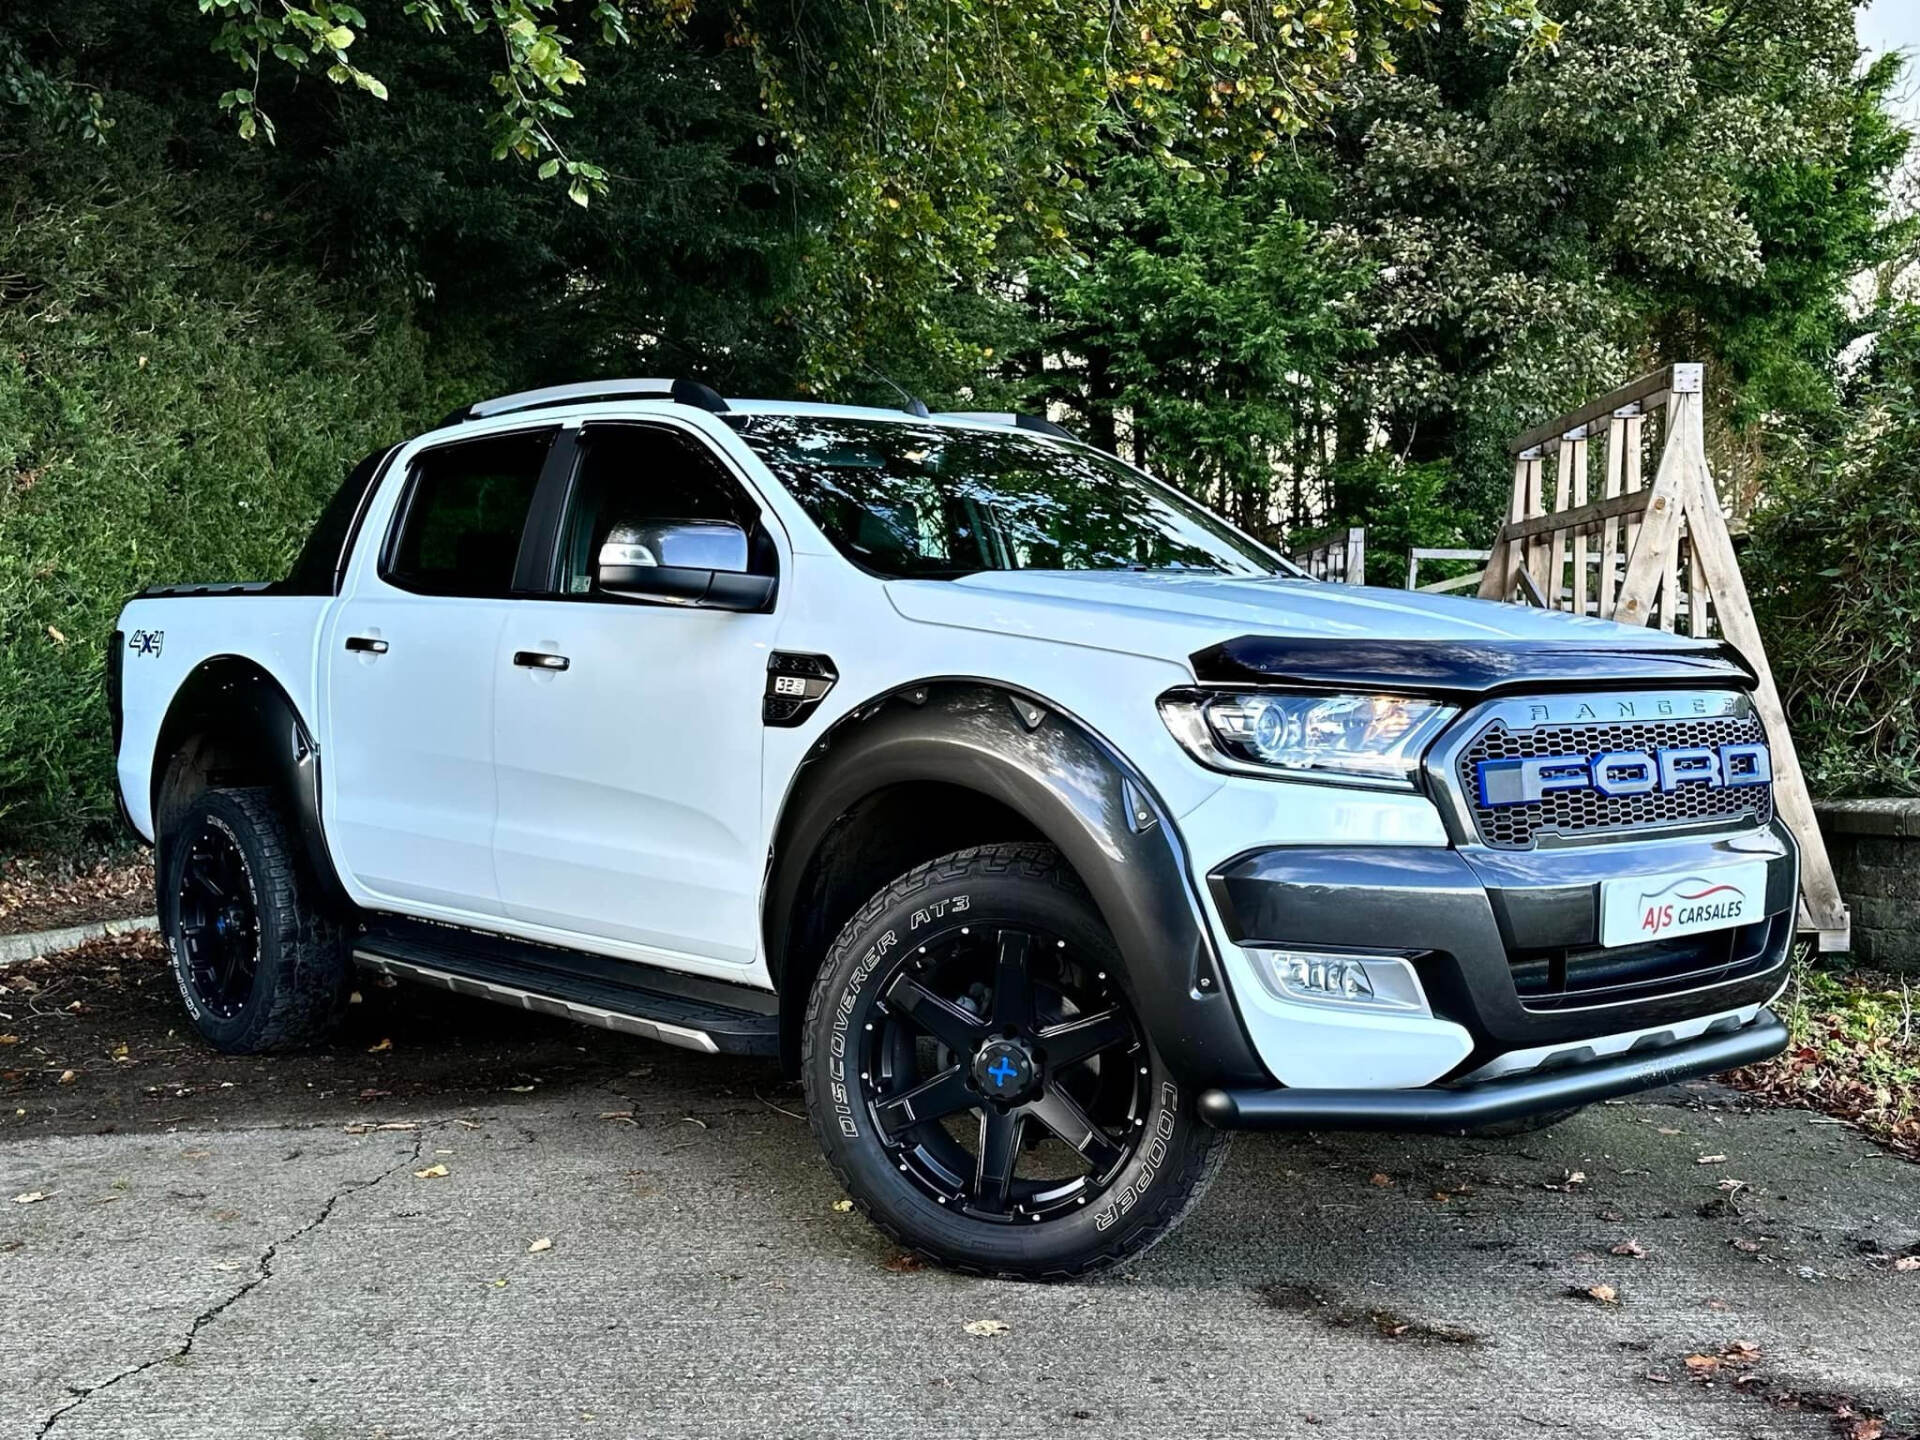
{"points": [[1506, 944], [1452, 1108]]}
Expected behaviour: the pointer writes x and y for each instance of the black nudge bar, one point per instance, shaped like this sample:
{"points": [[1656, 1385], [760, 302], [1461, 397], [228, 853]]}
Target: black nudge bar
{"points": [[1462, 1107]]}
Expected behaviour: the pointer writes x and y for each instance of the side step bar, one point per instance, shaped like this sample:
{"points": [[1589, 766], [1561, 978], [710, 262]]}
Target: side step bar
{"points": [[685, 1010]]}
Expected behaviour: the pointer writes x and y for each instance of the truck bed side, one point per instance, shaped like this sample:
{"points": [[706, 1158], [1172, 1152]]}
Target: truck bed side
{"points": [[164, 638]]}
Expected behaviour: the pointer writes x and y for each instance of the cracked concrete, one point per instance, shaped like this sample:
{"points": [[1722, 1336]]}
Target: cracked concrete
{"points": [[229, 1250], [144, 1236], [274, 1280], [263, 1272]]}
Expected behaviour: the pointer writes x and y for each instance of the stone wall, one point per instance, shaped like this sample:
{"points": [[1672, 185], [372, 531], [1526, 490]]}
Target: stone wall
{"points": [[1875, 846]]}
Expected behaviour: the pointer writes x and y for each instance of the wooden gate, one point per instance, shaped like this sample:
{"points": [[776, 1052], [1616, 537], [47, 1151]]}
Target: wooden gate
{"points": [[1651, 554]]}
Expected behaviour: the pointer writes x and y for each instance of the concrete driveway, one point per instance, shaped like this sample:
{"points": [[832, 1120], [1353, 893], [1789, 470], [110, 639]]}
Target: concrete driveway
{"points": [[251, 1249]]}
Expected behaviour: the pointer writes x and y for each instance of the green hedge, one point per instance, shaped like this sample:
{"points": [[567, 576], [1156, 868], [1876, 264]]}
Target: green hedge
{"points": [[1834, 566], [175, 404]]}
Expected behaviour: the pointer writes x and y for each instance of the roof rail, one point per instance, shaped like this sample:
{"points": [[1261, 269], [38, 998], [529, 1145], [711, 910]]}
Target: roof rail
{"points": [[1034, 423], [686, 392]]}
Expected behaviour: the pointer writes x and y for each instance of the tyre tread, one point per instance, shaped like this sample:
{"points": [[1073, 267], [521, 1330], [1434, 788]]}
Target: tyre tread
{"points": [[308, 993], [1171, 1196]]}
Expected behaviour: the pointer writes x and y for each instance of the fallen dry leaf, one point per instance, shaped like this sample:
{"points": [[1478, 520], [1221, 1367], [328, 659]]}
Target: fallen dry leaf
{"points": [[67, 1077], [904, 1263], [1381, 1180], [9, 1039], [1745, 1246], [1907, 1262], [1668, 1130], [432, 1172], [1629, 1247], [385, 1044], [1867, 1428], [988, 1327], [33, 1197], [1711, 1160], [1605, 1294], [545, 1242], [1703, 1364], [843, 1206]]}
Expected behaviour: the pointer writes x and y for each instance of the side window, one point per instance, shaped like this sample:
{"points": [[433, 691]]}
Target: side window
{"points": [[466, 506], [632, 476]]}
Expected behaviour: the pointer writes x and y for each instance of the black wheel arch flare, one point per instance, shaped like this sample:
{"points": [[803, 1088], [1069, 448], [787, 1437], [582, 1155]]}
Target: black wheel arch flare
{"points": [[1075, 789], [237, 702]]}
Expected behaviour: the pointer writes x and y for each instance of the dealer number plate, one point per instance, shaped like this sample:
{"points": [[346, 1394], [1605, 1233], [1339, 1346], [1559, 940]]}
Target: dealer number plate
{"points": [[1640, 908]]}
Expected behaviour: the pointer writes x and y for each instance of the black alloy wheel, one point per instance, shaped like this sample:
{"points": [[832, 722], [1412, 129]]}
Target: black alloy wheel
{"points": [[981, 1081], [260, 958], [987, 1044], [218, 927]]}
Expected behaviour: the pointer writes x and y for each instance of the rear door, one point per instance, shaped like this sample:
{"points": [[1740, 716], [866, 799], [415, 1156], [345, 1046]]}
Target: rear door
{"points": [[629, 781], [409, 658]]}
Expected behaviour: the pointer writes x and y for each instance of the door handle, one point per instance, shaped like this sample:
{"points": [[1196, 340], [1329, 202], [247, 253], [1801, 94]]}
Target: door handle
{"points": [[539, 660], [367, 644]]}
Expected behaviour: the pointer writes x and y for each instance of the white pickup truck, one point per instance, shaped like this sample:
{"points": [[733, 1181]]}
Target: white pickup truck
{"points": [[1050, 828]]}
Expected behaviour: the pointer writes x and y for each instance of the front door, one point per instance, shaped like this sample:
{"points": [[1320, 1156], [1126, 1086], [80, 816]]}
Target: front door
{"points": [[629, 780], [407, 760]]}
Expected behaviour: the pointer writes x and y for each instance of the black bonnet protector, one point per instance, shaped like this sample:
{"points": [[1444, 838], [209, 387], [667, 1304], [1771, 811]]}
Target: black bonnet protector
{"points": [[1466, 669]]}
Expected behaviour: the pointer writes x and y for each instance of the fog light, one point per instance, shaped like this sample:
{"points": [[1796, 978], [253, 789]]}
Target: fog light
{"points": [[1368, 982]]}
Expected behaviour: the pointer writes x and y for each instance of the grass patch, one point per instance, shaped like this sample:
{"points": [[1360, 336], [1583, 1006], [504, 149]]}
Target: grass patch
{"points": [[1855, 1053]]}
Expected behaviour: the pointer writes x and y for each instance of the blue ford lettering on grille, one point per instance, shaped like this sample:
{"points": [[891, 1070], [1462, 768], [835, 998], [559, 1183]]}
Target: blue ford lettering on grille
{"points": [[1623, 772]]}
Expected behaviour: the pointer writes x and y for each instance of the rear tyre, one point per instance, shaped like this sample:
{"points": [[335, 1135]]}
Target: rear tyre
{"points": [[260, 963], [981, 1083]]}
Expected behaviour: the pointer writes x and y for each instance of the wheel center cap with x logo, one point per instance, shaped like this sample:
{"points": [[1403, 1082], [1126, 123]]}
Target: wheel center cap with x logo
{"points": [[1003, 1070]]}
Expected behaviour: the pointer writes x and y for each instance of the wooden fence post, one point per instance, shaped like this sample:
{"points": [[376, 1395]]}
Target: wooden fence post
{"points": [[1677, 517]]}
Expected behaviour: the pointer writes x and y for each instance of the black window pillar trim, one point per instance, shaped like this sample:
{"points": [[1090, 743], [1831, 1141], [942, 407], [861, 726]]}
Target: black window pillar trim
{"points": [[536, 569]]}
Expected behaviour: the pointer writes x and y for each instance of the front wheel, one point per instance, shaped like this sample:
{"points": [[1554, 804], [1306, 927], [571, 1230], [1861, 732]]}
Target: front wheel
{"points": [[981, 1083]]}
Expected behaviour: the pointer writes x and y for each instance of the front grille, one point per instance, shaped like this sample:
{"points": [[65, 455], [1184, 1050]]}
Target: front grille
{"points": [[1569, 813], [1583, 976]]}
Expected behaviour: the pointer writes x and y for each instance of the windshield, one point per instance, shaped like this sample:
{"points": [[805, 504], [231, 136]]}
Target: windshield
{"points": [[912, 501]]}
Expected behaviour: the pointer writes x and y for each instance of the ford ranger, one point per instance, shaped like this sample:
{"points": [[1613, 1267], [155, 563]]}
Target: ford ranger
{"points": [[1047, 826]]}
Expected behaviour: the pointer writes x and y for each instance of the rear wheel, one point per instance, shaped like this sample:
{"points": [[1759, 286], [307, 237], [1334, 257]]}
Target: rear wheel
{"points": [[982, 1084], [260, 963]]}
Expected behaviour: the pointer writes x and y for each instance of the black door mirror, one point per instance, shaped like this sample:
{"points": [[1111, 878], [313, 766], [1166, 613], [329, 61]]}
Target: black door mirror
{"points": [[682, 562]]}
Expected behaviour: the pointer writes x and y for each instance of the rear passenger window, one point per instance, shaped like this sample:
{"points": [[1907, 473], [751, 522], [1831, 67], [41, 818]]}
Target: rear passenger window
{"points": [[466, 506]]}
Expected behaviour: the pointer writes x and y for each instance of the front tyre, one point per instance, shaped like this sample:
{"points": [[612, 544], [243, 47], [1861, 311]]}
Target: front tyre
{"points": [[260, 962], [980, 1082]]}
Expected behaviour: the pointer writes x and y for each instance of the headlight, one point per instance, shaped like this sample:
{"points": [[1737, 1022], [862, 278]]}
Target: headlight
{"points": [[1355, 739]]}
